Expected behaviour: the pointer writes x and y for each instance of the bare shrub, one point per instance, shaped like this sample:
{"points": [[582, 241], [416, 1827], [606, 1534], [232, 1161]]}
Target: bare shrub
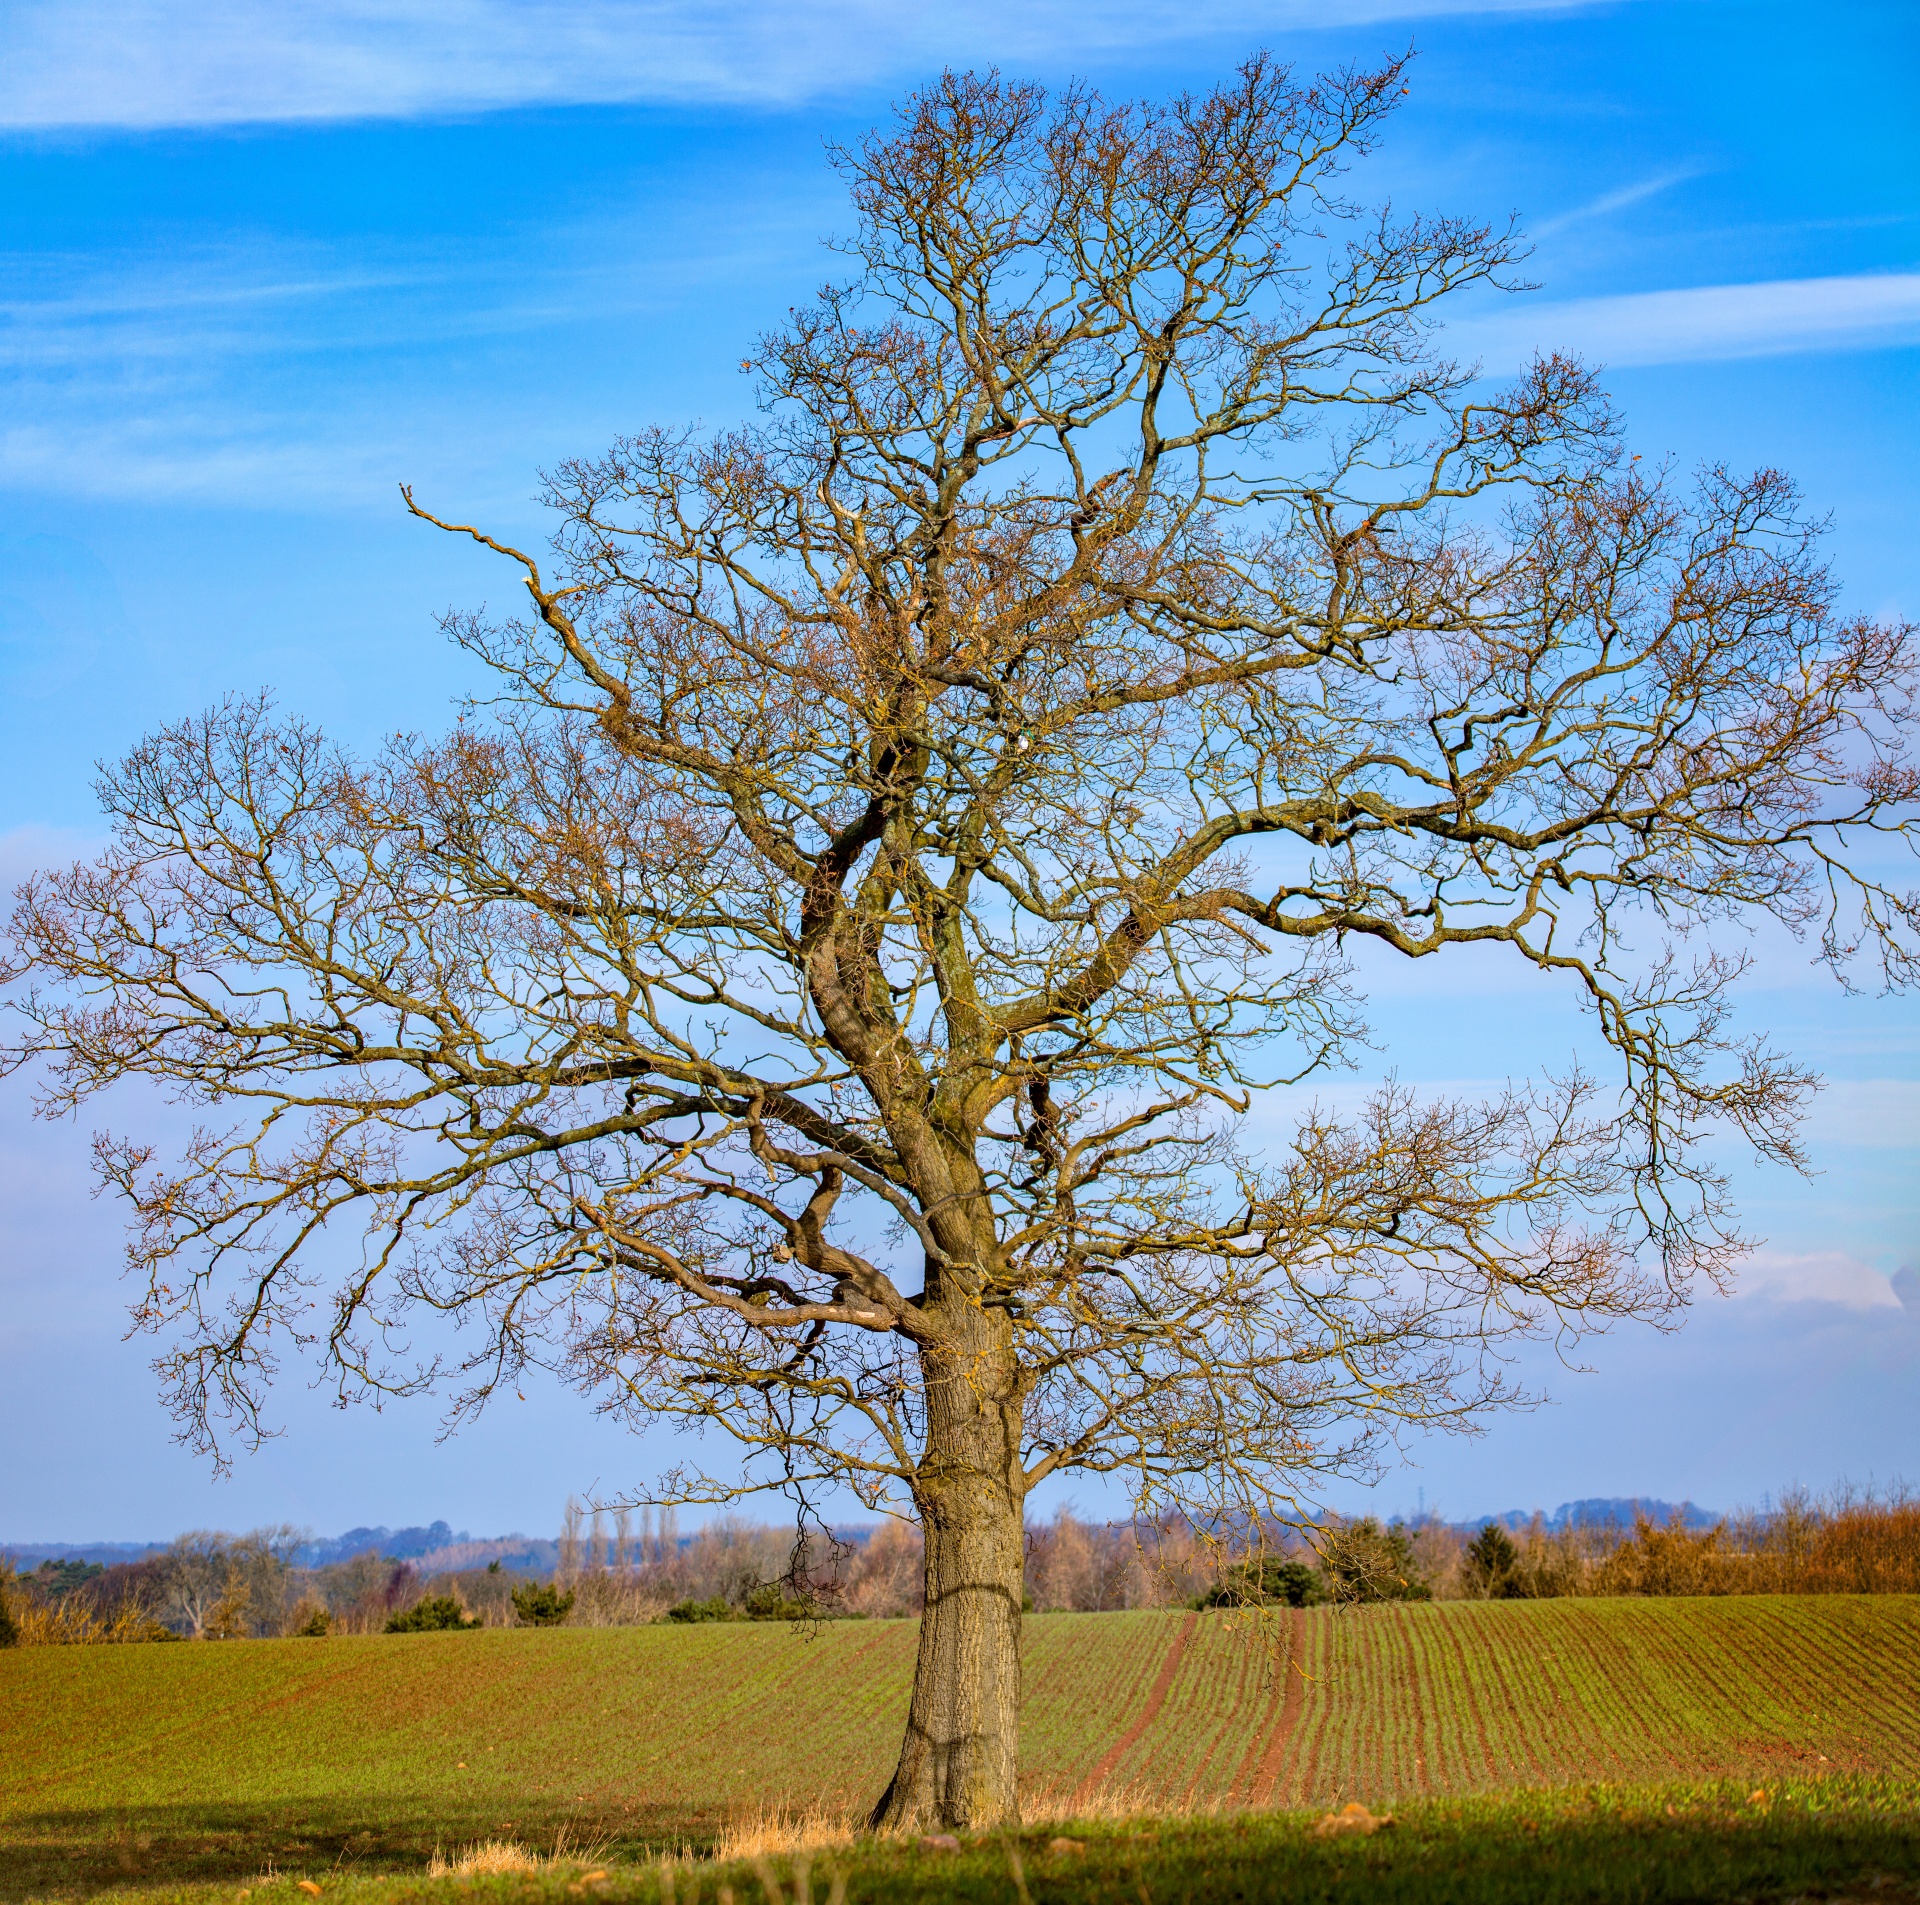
{"points": [[1677, 1560], [1864, 1550], [1092, 1567], [1553, 1562], [609, 1599], [1848, 1543], [32, 1617], [364, 1593], [1069, 1565]]}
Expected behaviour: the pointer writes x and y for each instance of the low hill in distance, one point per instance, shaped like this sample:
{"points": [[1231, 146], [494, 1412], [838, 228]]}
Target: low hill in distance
{"points": [[438, 1548], [1601, 1511], [436, 1545]]}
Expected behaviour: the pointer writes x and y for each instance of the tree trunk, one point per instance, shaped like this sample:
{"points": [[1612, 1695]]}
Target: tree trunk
{"points": [[959, 1764]]}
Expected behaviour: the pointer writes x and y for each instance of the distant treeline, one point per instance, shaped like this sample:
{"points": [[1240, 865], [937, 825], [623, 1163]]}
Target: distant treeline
{"points": [[1843, 1543], [435, 1546], [616, 1572], [436, 1549]]}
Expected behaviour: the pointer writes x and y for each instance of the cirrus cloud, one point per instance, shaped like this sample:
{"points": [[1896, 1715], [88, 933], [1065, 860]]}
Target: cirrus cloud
{"points": [[1703, 323], [151, 63]]}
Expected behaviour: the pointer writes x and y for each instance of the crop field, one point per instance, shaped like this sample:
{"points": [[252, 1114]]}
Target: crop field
{"points": [[153, 1767], [1395, 1702]]}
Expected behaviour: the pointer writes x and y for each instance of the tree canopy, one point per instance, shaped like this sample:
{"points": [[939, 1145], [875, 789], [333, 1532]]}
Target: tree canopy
{"points": [[822, 998]]}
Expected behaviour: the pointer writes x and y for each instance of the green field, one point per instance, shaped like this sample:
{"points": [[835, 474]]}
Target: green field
{"points": [[150, 1768]]}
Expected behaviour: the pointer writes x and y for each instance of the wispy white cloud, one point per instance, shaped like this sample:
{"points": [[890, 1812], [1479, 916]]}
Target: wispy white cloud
{"points": [[1616, 201], [1879, 1114], [1707, 323], [158, 378], [1826, 1276], [294, 375], [149, 63], [168, 460], [182, 291], [300, 373]]}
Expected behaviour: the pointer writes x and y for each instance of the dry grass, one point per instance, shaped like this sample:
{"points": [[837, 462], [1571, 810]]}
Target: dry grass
{"points": [[797, 1833], [760, 1836], [488, 1858], [779, 1831], [1054, 1805], [774, 1831]]}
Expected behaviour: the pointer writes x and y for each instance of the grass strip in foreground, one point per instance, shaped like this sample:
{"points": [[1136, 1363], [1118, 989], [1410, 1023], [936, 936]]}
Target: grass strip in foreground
{"points": [[1842, 1837]]}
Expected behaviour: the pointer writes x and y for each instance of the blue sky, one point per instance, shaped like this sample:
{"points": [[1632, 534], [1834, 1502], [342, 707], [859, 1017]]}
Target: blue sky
{"points": [[264, 262]]}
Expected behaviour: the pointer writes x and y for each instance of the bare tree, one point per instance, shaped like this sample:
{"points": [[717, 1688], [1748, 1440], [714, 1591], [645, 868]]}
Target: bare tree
{"points": [[223, 1587], [822, 998]]}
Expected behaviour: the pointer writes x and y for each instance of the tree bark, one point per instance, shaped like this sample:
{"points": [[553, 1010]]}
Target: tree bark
{"points": [[959, 1763]]}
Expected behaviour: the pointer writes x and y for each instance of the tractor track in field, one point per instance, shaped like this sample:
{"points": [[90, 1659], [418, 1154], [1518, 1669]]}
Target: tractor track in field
{"points": [[1156, 1699], [1269, 1752]]}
